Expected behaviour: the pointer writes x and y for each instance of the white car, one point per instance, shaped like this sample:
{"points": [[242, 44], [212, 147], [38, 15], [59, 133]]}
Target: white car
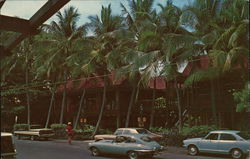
{"points": [[128, 131], [230, 142]]}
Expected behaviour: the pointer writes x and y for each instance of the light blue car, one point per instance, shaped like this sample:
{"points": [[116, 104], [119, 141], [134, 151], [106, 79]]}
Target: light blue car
{"points": [[131, 146], [230, 142]]}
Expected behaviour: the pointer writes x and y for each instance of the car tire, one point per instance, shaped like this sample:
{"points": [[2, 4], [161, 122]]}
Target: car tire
{"points": [[33, 138], [236, 153], [193, 150], [95, 151], [133, 155]]}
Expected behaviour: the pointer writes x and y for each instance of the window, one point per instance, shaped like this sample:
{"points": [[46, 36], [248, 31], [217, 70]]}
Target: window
{"points": [[212, 136], [118, 132], [142, 131], [120, 139], [127, 132], [227, 137], [130, 140], [147, 139], [244, 135]]}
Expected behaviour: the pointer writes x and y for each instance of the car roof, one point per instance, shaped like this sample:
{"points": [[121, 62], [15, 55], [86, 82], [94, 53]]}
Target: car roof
{"points": [[129, 128], [133, 136], [5, 134], [225, 131]]}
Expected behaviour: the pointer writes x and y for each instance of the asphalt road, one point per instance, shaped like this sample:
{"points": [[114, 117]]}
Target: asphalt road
{"points": [[60, 149]]}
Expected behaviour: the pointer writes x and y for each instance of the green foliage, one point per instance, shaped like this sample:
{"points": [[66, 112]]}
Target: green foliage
{"points": [[159, 130], [18, 109], [242, 97], [160, 103], [21, 127], [197, 131], [172, 137], [59, 129], [58, 126]]}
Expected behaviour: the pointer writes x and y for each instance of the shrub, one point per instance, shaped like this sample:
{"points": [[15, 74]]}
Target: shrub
{"points": [[159, 130], [21, 127], [197, 131], [59, 129], [88, 129], [172, 137]]}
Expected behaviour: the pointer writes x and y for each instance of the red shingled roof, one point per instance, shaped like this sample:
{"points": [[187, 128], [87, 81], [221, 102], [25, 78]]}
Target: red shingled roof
{"points": [[96, 81]]}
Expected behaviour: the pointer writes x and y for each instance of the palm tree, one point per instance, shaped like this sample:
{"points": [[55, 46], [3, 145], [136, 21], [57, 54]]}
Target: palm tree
{"points": [[226, 48], [104, 27], [22, 59], [162, 41], [65, 35]]}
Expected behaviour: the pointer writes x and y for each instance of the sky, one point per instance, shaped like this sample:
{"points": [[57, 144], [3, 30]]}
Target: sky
{"points": [[26, 8]]}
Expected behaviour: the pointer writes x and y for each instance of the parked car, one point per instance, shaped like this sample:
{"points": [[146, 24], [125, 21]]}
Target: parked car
{"points": [[8, 150], [232, 142], [35, 132], [131, 145], [129, 131]]}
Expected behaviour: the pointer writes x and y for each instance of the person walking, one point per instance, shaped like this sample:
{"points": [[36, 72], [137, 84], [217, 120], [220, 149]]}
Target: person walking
{"points": [[70, 132]]}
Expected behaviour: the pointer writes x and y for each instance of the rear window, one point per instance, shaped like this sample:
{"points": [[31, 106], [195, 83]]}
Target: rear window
{"points": [[7, 144], [244, 135], [142, 131], [118, 132], [146, 139]]}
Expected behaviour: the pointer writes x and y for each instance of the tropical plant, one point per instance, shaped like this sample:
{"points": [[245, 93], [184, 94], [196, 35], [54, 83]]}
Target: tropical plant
{"points": [[242, 97], [103, 27], [64, 40]]}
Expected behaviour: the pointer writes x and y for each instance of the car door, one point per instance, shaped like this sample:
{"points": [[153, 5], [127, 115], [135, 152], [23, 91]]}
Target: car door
{"points": [[116, 146], [226, 142], [209, 143]]}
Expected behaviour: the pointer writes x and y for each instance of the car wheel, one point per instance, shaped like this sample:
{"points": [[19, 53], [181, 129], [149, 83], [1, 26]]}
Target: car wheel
{"points": [[193, 150], [32, 138], [94, 151], [236, 154], [133, 155]]}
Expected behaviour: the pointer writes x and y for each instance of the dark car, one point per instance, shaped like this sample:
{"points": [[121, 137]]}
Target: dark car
{"points": [[8, 150]]}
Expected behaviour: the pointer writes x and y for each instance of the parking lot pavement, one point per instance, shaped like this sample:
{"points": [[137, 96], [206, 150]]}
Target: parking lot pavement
{"points": [[60, 149], [172, 152]]}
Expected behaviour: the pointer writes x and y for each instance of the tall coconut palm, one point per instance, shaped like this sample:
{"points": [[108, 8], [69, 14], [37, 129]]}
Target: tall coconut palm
{"points": [[221, 45], [161, 41], [64, 35], [103, 27]]}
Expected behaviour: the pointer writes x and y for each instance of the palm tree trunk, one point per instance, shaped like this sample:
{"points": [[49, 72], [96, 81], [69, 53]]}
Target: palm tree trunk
{"points": [[132, 97], [213, 103], [179, 105], [80, 108], [64, 98], [153, 107], [117, 101], [102, 107], [27, 91], [50, 106]]}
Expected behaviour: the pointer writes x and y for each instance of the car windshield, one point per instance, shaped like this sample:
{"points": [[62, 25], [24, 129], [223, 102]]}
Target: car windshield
{"points": [[244, 135], [146, 139], [142, 131]]}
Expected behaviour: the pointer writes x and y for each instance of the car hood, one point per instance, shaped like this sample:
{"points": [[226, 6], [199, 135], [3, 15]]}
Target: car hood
{"points": [[192, 139], [105, 136]]}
